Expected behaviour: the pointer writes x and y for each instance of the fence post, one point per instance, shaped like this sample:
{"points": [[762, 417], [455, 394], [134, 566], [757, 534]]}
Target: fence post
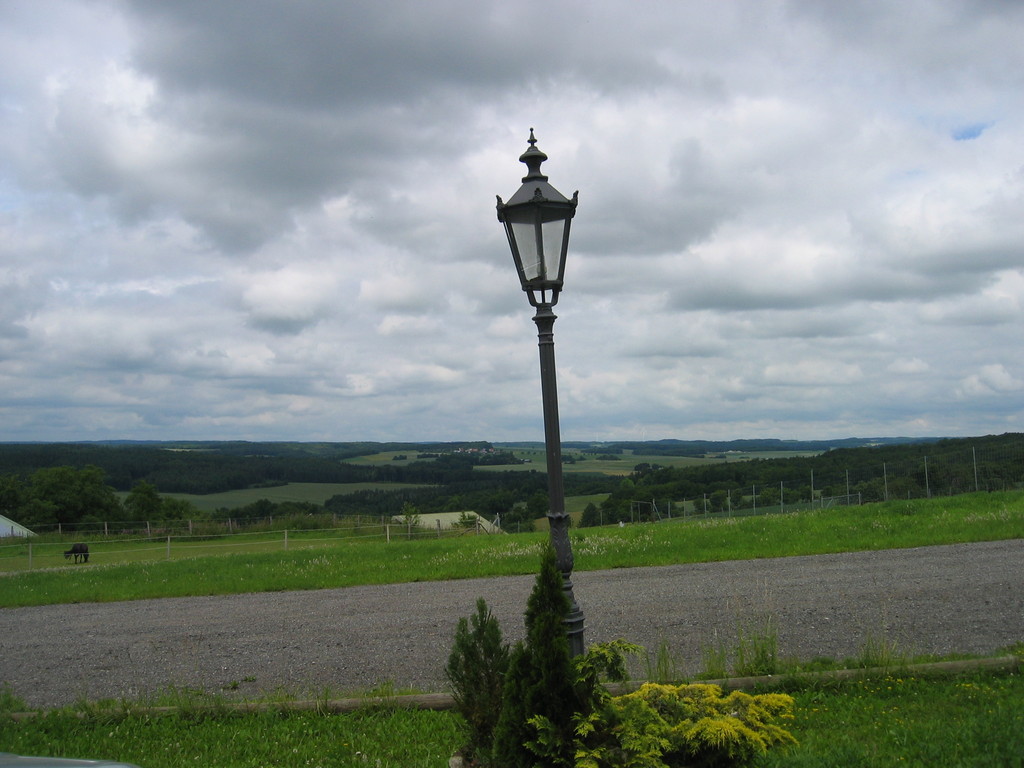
{"points": [[285, 539], [387, 532], [168, 547], [974, 457]]}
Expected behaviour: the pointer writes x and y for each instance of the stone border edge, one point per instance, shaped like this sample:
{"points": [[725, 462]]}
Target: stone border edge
{"points": [[443, 701]]}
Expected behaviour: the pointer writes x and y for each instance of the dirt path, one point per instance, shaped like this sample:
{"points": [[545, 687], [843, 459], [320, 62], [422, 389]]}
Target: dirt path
{"points": [[967, 598]]}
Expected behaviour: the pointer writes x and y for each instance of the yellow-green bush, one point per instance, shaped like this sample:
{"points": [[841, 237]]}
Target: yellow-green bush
{"points": [[669, 726]]}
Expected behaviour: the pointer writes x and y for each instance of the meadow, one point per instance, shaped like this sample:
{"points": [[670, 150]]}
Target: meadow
{"points": [[256, 565], [623, 464], [976, 719], [315, 493]]}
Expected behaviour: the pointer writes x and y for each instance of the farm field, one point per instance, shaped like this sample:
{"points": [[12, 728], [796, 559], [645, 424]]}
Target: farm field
{"points": [[620, 466], [317, 493], [385, 458], [627, 460], [272, 562]]}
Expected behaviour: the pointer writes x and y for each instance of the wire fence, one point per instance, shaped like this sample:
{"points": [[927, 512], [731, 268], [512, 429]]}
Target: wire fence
{"points": [[31, 554], [969, 469], [226, 526]]}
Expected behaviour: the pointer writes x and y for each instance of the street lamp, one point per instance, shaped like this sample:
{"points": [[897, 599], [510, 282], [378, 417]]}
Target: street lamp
{"points": [[537, 219]]}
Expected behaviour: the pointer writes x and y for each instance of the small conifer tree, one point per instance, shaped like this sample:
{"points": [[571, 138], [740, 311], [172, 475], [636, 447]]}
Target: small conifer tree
{"points": [[476, 671], [512, 732], [541, 678]]}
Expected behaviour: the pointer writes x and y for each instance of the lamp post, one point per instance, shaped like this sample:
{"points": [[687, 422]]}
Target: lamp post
{"points": [[537, 219]]}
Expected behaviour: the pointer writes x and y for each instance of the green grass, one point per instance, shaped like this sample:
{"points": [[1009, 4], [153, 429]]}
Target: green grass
{"points": [[371, 737], [316, 493], [973, 720], [974, 517], [119, 550], [386, 458]]}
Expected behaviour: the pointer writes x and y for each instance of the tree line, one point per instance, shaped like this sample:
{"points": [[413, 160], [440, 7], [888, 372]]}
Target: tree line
{"points": [[202, 468], [874, 473], [77, 484], [71, 497]]}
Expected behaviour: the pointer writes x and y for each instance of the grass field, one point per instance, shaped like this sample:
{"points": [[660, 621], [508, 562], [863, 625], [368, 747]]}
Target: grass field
{"points": [[972, 720], [622, 465], [385, 457], [373, 560], [316, 493]]}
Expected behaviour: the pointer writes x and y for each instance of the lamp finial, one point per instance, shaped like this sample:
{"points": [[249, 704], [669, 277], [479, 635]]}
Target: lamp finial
{"points": [[533, 157]]}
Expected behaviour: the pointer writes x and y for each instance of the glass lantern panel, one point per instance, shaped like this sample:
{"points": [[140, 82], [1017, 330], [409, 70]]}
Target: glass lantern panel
{"points": [[529, 254], [554, 240]]}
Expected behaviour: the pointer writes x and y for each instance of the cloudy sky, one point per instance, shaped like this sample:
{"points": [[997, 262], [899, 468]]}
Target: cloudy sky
{"points": [[274, 219]]}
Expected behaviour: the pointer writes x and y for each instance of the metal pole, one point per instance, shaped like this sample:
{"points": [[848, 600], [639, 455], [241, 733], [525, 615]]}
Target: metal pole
{"points": [[558, 520]]}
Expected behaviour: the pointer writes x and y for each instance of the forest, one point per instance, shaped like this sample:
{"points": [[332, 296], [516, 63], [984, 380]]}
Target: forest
{"points": [[45, 485]]}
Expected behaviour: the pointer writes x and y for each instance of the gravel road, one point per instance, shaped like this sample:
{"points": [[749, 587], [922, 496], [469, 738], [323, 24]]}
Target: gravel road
{"points": [[967, 598]]}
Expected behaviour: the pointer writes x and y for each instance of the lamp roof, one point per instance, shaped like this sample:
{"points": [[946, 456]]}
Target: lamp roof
{"points": [[535, 188]]}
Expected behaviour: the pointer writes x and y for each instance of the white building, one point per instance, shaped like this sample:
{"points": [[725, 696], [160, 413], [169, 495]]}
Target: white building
{"points": [[444, 521], [10, 528]]}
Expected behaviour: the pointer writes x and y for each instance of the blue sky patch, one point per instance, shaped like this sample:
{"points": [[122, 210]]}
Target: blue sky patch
{"points": [[970, 131]]}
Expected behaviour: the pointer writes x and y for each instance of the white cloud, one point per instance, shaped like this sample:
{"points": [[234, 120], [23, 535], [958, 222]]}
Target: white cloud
{"points": [[989, 380], [278, 222], [908, 366]]}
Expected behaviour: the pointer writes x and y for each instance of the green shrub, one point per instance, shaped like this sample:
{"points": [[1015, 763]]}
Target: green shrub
{"points": [[669, 726], [476, 671], [540, 679], [556, 711]]}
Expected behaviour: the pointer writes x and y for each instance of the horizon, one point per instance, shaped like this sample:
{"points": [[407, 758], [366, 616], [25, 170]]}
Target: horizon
{"points": [[540, 441]]}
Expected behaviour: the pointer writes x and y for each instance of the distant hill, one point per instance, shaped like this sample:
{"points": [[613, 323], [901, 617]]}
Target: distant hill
{"points": [[702, 447]]}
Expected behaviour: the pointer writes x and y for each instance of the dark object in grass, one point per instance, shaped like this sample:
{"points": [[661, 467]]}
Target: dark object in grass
{"points": [[79, 551]]}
